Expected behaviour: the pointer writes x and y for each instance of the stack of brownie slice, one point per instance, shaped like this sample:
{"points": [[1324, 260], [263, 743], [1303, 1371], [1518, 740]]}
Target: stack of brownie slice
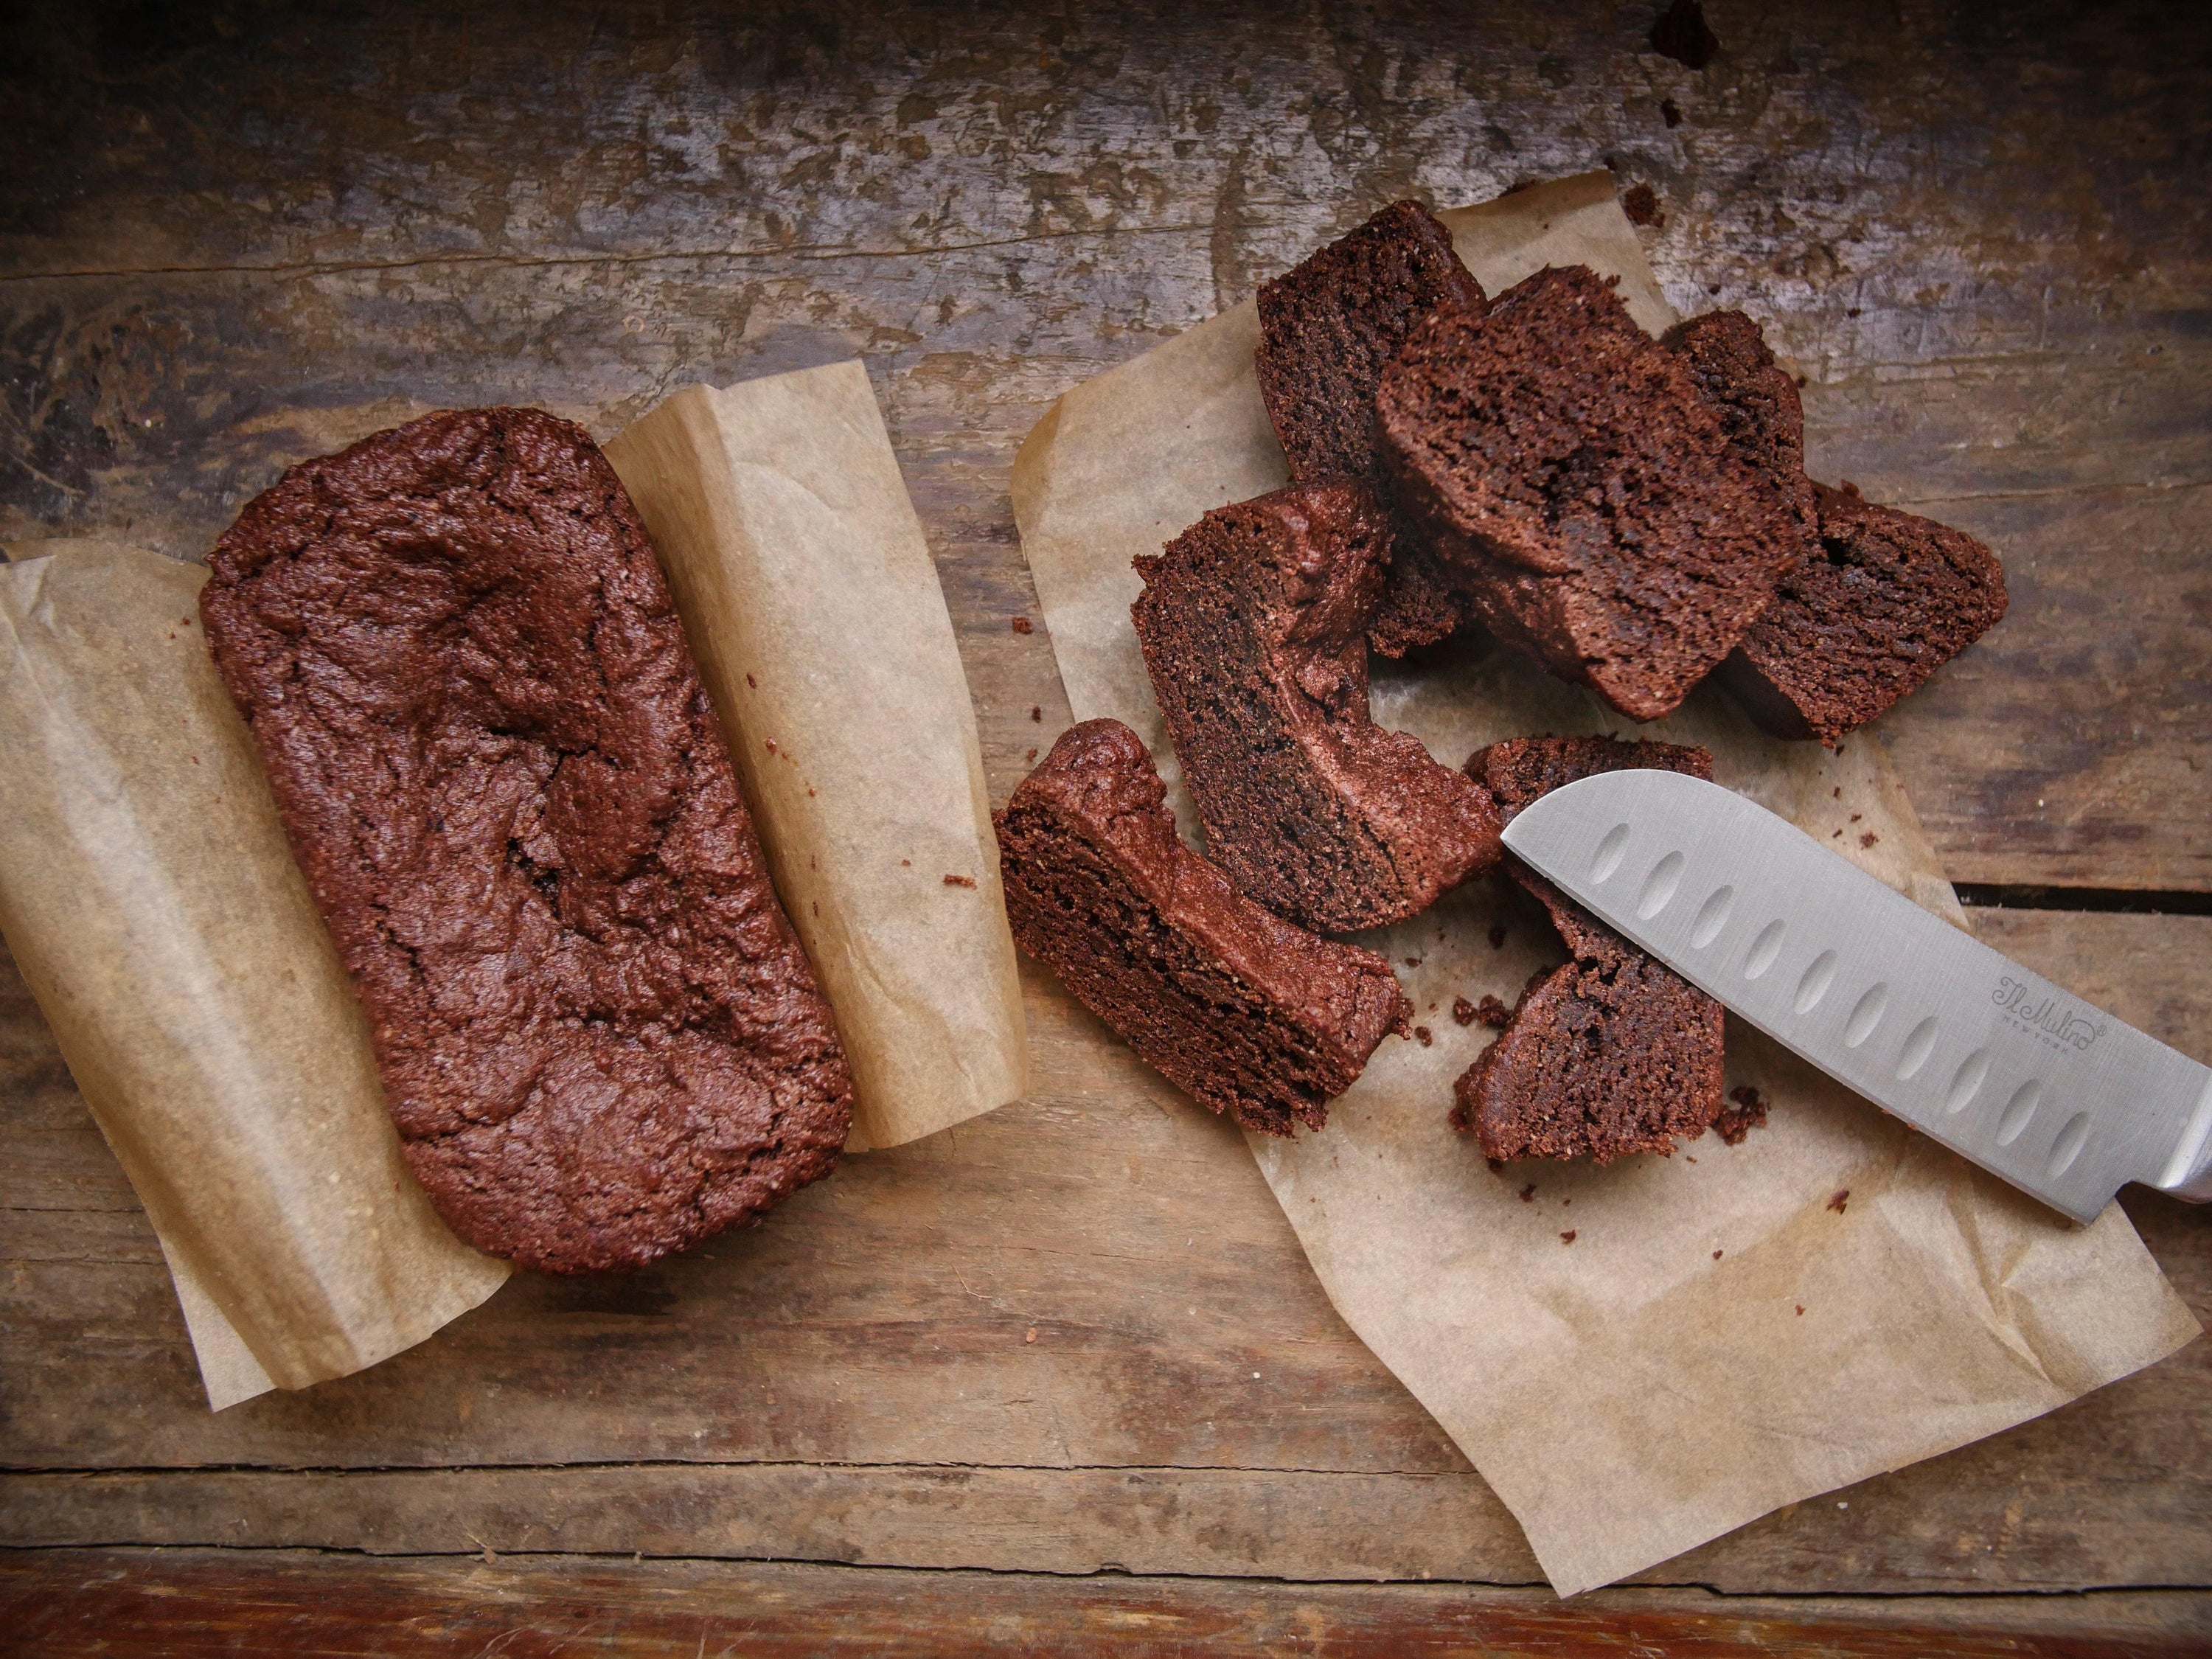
{"points": [[1634, 512]]}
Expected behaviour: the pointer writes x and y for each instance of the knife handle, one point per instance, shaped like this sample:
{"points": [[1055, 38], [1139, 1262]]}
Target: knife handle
{"points": [[2189, 1176]]}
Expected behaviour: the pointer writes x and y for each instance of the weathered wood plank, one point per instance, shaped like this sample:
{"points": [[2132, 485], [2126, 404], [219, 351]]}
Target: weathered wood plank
{"points": [[182, 1604], [338, 221], [883, 1320]]}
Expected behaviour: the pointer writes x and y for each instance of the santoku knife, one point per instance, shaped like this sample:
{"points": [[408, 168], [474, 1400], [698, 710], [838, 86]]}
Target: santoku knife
{"points": [[1967, 1046]]}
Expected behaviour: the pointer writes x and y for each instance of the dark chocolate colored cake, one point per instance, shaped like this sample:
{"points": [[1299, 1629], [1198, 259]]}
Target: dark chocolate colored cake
{"points": [[1252, 622], [597, 1036], [1885, 600], [1247, 1013], [1582, 488], [1759, 405], [1327, 327], [1610, 1052]]}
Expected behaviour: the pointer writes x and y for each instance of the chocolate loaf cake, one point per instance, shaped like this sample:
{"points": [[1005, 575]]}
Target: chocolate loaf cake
{"points": [[1581, 489], [1885, 600], [1252, 623], [1877, 600], [1760, 412], [1245, 1013], [598, 1038], [1327, 327], [1610, 1052]]}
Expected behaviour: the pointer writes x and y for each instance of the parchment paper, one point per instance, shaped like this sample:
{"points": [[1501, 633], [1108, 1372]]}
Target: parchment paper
{"points": [[150, 902], [1726, 1332], [814, 610]]}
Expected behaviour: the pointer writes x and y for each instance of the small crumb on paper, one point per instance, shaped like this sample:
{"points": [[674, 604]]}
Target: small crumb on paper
{"points": [[1801, 1308], [1424, 1036], [1839, 1201], [1036, 713], [1029, 759], [1412, 962], [1528, 1193], [960, 881], [1463, 1011], [1568, 1237], [751, 683], [1031, 1335], [1641, 203], [1748, 1113], [1716, 1255], [1022, 625], [1494, 1013], [1868, 839]]}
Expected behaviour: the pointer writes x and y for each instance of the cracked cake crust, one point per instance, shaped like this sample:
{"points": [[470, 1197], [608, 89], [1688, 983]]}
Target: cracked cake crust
{"points": [[598, 1037]]}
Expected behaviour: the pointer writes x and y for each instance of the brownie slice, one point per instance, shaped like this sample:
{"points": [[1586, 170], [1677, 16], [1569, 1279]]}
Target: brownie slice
{"points": [[1327, 327], [1253, 628], [1610, 1052], [1582, 488], [1243, 1011], [1877, 600], [1760, 408], [1885, 600], [598, 1037]]}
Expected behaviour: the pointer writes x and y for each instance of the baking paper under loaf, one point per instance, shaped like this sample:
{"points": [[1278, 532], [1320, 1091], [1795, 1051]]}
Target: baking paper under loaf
{"points": [[814, 611], [148, 897]]}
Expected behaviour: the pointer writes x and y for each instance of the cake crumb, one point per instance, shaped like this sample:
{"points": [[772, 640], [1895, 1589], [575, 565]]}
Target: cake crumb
{"points": [[1037, 718], [960, 881], [1801, 1308], [1463, 1011], [1683, 34], [769, 743], [1424, 1036], [908, 863], [1739, 1120], [1641, 204], [1029, 758], [751, 683], [1868, 839], [1838, 1202], [1716, 1255], [1022, 625], [1855, 817], [1568, 1237], [1528, 1193], [1494, 1013], [1497, 1166], [1412, 962], [1030, 1335]]}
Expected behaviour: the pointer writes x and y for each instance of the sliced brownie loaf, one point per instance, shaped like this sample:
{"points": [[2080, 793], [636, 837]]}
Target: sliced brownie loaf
{"points": [[1885, 600], [1243, 1011], [1252, 627], [1582, 488], [1876, 601], [1327, 327], [1610, 1052], [598, 1037], [1758, 402]]}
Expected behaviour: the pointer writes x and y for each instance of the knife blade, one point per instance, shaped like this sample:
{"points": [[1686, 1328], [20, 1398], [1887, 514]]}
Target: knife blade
{"points": [[1986, 1057]]}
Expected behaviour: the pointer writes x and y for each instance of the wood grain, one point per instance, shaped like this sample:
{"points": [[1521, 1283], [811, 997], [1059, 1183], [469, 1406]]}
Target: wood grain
{"points": [[183, 1604], [848, 1382], [236, 236], [243, 236]]}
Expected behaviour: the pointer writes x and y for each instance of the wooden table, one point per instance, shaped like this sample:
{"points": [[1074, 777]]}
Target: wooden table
{"points": [[995, 1390]]}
